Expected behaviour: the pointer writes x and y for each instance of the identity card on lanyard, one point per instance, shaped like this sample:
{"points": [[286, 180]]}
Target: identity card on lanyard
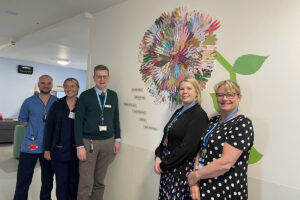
{"points": [[33, 145], [102, 126], [203, 150], [71, 115]]}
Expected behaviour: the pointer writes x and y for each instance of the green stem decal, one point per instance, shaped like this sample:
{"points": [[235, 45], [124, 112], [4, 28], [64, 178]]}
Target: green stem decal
{"points": [[214, 98], [246, 65], [227, 66]]}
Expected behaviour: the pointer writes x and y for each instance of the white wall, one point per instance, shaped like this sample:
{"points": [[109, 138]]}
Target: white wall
{"points": [[15, 87], [270, 96]]}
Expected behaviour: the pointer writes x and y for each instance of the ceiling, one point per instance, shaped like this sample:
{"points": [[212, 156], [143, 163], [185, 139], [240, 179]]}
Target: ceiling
{"points": [[44, 31]]}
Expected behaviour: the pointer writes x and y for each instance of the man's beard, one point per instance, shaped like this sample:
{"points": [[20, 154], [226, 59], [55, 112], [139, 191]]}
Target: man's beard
{"points": [[45, 92]]}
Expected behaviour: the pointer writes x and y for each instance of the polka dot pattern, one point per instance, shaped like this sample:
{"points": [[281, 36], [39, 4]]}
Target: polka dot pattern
{"points": [[173, 186], [237, 132]]}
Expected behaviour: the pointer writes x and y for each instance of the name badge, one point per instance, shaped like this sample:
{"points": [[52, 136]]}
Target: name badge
{"points": [[72, 115], [107, 106], [102, 128], [33, 147]]}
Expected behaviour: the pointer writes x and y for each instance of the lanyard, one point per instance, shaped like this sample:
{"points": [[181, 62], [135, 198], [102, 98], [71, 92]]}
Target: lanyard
{"points": [[101, 107], [45, 108], [34, 136], [180, 113], [174, 120], [208, 134], [100, 104]]}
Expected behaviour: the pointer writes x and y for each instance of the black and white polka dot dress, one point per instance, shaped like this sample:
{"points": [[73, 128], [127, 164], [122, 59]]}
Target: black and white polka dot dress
{"points": [[237, 132]]}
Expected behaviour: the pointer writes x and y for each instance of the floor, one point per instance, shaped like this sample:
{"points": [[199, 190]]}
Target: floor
{"points": [[8, 174]]}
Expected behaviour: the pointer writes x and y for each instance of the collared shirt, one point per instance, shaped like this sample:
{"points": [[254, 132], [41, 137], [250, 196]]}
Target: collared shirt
{"points": [[100, 91], [32, 112]]}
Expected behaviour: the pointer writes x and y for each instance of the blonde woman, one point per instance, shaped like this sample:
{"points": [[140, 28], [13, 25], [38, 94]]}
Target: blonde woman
{"points": [[180, 142], [59, 144], [222, 162]]}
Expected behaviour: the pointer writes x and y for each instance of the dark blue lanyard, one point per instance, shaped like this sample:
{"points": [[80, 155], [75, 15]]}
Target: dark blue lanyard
{"points": [[208, 134]]}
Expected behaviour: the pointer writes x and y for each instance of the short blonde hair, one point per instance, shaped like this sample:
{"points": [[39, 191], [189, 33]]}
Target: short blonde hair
{"points": [[229, 85], [196, 85], [74, 80]]}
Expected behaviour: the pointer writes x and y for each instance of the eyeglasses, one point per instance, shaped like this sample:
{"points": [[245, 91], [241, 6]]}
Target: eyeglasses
{"points": [[227, 95], [101, 77]]}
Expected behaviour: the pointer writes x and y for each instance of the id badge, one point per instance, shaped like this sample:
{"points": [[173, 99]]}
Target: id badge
{"points": [[102, 128], [72, 115], [199, 166], [44, 118], [91, 147], [107, 106], [33, 147]]}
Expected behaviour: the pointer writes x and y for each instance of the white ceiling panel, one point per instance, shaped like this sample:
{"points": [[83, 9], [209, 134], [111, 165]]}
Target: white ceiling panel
{"points": [[46, 30]]}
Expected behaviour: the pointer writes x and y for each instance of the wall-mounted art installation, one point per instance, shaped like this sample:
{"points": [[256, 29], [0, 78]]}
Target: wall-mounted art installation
{"points": [[177, 45]]}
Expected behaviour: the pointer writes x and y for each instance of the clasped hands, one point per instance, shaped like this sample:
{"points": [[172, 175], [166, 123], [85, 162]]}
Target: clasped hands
{"points": [[192, 179], [194, 187]]}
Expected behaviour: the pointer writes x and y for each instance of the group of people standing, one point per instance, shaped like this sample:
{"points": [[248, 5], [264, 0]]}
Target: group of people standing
{"points": [[205, 159], [74, 138]]}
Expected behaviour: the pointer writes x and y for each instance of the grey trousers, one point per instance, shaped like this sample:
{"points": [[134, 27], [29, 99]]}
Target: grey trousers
{"points": [[92, 171]]}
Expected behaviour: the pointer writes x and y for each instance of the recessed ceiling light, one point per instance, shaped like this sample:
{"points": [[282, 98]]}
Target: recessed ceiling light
{"points": [[63, 61]]}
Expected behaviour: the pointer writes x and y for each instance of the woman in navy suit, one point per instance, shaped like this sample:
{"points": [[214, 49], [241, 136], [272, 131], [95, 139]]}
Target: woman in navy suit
{"points": [[59, 142]]}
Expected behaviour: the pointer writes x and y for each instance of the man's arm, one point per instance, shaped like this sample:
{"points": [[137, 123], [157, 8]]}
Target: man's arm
{"points": [[117, 127], [78, 128], [78, 122], [24, 114]]}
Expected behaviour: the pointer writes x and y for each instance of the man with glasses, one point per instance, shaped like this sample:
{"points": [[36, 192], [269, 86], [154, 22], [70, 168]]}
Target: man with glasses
{"points": [[33, 115], [97, 134]]}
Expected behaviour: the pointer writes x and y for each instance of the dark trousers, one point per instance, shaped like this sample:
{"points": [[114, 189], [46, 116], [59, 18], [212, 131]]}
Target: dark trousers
{"points": [[67, 177], [26, 166]]}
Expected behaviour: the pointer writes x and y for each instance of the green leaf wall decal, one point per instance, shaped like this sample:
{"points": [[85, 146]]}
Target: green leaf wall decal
{"points": [[214, 98], [254, 156], [248, 64], [245, 65]]}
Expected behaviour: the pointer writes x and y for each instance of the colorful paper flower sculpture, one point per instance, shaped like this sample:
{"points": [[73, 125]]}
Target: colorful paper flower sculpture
{"points": [[178, 45]]}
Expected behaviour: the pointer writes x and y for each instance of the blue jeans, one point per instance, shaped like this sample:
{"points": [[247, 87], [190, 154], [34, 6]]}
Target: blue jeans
{"points": [[26, 166]]}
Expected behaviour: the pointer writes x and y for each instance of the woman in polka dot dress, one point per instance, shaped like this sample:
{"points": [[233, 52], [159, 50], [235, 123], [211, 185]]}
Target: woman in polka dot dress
{"points": [[220, 170], [179, 145]]}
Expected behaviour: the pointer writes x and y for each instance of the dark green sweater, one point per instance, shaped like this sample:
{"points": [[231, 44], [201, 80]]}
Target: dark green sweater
{"points": [[87, 117]]}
